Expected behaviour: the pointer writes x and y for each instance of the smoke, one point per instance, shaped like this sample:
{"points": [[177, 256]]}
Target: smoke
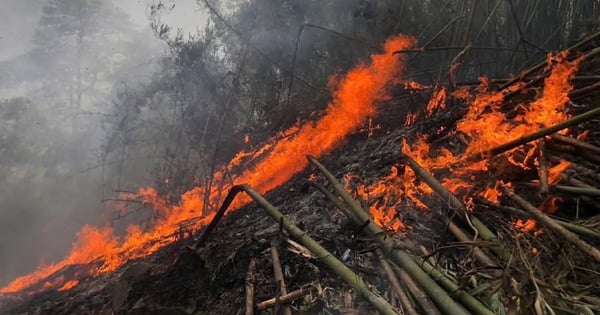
{"points": [[52, 179]]}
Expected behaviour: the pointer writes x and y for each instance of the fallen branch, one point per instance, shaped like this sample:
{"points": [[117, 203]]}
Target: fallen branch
{"points": [[551, 224], [440, 297], [476, 157]]}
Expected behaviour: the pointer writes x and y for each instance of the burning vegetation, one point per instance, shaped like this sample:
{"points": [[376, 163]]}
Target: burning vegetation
{"points": [[482, 200]]}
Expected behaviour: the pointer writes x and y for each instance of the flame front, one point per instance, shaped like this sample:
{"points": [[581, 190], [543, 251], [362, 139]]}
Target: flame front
{"points": [[354, 99]]}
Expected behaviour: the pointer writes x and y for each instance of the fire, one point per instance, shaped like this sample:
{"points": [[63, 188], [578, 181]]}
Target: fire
{"points": [[69, 285], [486, 126], [354, 99]]}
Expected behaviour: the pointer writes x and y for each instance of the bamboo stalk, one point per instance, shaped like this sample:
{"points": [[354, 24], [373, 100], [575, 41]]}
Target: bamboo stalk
{"points": [[250, 279], [570, 189], [340, 205], [440, 297], [455, 204], [476, 157], [551, 224], [279, 279], [294, 295], [576, 228], [419, 295], [584, 91], [405, 302], [576, 143], [351, 278]]}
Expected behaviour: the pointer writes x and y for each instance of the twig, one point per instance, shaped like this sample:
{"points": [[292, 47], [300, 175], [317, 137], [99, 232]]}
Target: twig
{"points": [[570, 189], [250, 279], [406, 304], [551, 224]]}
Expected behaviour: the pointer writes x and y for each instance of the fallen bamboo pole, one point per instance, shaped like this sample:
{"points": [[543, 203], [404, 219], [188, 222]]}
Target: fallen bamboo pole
{"points": [[279, 279], [551, 224], [476, 157], [584, 90], [593, 192], [340, 205], [402, 296], [576, 228], [294, 295], [250, 279], [456, 205], [419, 295], [351, 278], [440, 297], [576, 143]]}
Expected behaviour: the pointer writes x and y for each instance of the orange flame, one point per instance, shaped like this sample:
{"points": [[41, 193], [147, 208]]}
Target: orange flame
{"points": [[354, 98]]}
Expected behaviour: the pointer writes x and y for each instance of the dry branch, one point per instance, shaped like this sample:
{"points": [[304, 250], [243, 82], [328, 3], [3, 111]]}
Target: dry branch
{"points": [[551, 224]]}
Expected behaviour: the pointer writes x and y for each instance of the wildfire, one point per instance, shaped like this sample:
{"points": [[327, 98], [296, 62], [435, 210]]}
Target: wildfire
{"points": [[354, 99]]}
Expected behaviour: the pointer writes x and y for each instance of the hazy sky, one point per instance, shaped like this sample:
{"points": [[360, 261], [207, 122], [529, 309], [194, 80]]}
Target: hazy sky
{"points": [[18, 19]]}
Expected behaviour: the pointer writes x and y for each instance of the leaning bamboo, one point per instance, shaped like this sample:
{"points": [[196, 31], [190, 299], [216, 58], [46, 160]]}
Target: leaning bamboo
{"points": [[551, 224], [476, 157], [440, 297], [250, 279]]}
